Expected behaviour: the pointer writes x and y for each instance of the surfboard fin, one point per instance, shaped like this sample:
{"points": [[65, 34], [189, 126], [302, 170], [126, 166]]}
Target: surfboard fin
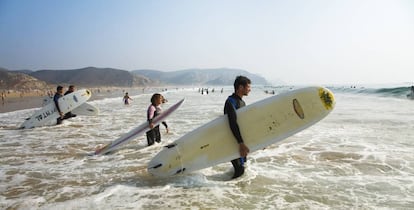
{"points": [[157, 166], [180, 171], [171, 146]]}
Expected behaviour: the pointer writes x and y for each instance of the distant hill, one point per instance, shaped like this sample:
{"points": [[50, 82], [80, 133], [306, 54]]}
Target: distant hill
{"points": [[19, 81], [92, 77], [220, 76], [24, 71], [99, 77]]}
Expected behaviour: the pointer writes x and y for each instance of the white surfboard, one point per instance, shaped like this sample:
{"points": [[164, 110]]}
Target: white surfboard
{"points": [[84, 109], [134, 133], [49, 112], [261, 124]]}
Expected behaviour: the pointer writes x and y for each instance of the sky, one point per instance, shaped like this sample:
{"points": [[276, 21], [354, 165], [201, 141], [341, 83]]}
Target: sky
{"points": [[294, 41]]}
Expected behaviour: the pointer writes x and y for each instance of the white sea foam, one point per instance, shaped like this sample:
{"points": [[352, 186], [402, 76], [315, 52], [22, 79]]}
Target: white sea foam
{"points": [[359, 157]]}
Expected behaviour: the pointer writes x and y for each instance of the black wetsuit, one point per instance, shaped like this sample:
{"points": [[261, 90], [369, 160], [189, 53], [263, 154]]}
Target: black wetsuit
{"points": [[233, 103], [55, 99], [69, 114]]}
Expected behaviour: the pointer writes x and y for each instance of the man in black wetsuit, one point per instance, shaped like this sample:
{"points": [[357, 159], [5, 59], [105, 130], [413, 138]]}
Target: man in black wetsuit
{"points": [[71, 89], [234, 102], [58, 94]]}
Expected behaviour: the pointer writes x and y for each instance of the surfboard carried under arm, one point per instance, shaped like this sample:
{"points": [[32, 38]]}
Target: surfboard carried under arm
{"points": [[144, 127], [84, 109], [49, 112], [261, 124]]}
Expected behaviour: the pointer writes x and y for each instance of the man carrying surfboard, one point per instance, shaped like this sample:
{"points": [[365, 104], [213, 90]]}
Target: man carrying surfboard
{"points": [[58, 94], [234, 102], [70, 90]]}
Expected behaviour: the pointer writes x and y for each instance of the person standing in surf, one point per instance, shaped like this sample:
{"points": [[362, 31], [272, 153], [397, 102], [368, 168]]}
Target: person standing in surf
{"points": [[3, 97], [58, 94], [234, 102], [127, 98], [71, 89], [154, 110]]}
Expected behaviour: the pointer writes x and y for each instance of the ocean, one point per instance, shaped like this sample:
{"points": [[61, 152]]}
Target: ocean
{"points": [[361, 156]]}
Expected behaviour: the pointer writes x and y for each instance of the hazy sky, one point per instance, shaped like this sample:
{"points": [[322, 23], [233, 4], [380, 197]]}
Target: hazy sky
{"points": [[296, 41]]}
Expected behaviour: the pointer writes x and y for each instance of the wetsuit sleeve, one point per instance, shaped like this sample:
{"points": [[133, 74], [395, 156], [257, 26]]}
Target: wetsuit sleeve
{"points": [[230, 110], [165, 124], [55, 99]]}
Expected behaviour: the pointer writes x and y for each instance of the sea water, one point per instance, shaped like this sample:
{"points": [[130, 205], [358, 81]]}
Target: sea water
{"points": [[361, 156]]}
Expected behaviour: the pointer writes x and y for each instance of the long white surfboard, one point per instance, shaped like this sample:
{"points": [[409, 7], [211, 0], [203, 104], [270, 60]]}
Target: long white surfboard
{"points": [[84, 109], [49, 112], [261, 124], [134, 133]]}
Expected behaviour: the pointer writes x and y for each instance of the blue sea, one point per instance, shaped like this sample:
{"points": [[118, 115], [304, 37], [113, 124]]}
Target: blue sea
{"points": [[361, 156]]}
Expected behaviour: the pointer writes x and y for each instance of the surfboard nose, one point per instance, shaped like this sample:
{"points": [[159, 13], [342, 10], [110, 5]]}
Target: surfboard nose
{"points": [[327, 98]]}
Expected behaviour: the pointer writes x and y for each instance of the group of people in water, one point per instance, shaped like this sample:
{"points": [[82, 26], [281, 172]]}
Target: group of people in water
{"points": [[233, 102], [242, 87], [207, 90], [59, 94]]}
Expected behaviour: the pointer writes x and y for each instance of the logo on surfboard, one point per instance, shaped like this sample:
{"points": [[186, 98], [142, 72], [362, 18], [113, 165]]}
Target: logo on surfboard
{"points": [[298, 109]]}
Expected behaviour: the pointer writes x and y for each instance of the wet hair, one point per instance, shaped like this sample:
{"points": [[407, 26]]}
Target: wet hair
{"points": [[241, 80], [155, 97], [59, 88]]}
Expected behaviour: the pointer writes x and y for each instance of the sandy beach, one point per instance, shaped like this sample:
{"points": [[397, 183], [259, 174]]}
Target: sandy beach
{"points": [[17, 100], [17, 103]]}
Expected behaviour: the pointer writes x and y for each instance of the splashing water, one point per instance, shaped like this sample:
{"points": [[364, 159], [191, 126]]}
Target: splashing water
{"points": [[360, 156]]}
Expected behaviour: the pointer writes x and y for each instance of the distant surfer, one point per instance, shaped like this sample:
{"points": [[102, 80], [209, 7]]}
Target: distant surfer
{"points": [[71, 89], [411, 94], [58, 94], [127, 98], [154, 110], [234, 102], [3, 96]]}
